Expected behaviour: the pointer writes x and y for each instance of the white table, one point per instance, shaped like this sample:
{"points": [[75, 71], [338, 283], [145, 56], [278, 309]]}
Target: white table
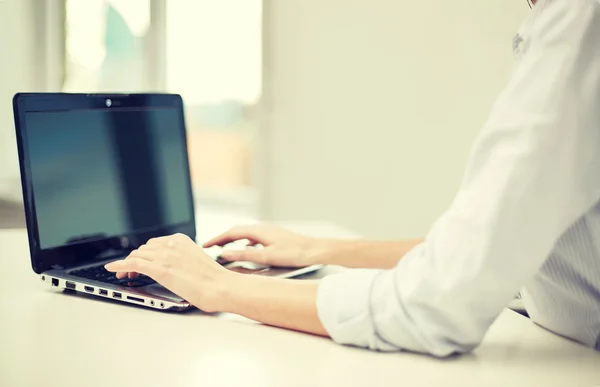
{"points": [[48, 338]]}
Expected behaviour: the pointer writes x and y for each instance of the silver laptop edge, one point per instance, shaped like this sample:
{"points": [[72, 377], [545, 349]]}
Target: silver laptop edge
{"points": [[152, 296]]}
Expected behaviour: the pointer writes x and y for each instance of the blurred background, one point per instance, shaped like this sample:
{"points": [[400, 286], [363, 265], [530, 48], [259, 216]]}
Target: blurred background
{"points": [[357, 112]]}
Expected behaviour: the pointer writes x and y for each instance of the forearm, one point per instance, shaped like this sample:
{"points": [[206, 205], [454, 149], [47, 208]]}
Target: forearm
{"points": [[363, 253], [279, 302]]}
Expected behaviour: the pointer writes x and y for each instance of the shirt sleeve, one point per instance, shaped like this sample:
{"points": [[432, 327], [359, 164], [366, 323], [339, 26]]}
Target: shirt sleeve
{"points": [[533, 171]]}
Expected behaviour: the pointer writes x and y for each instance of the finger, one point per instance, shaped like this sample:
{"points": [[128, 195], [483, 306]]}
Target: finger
{"points": [[256, 256], [136, 265], [149, 254], [130, 275], [235, 234]]}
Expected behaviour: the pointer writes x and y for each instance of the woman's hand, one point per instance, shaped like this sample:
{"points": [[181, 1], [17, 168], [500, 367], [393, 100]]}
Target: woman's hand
{"points": [[288, 249], [180, 265], [281, 247]]}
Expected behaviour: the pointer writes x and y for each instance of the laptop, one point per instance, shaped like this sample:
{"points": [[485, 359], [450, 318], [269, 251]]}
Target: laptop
{"points": [[101, 175]]}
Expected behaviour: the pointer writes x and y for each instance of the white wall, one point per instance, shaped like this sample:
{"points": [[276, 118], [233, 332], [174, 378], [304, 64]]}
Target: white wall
{"points": [[372, 105], [20, 70]]}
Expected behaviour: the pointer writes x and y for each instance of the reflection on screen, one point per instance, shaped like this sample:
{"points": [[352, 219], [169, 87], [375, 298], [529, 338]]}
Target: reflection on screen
{"points": [[106, 173]]}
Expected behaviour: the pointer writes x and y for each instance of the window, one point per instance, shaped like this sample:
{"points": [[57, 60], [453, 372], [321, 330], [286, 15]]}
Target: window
{"points": [[105, 45], [214, 50], [213, 58], [208, 51]]}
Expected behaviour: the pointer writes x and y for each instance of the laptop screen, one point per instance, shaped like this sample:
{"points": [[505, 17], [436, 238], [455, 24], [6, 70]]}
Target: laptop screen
{"points": [[103, 173]]}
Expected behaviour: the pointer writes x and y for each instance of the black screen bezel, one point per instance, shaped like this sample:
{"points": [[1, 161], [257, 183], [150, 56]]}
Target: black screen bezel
{"points": [[88, 251]]}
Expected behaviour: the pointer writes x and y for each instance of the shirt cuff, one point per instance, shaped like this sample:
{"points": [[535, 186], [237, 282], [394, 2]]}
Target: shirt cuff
{"points": [[343, 305]]}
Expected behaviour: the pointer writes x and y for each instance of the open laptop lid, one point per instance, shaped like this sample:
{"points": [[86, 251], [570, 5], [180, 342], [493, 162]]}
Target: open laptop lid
{"points": [[101, 174]]}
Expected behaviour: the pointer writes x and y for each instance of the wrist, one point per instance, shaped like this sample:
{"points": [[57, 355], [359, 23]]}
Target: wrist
{"points": [[324, 251], [228, 289]]}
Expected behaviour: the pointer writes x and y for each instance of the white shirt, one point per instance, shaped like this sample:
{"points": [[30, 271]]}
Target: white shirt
{"points": [[527, 213]]}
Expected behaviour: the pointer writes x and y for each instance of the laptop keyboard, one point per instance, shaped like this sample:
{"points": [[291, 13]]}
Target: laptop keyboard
{"points": [[99, 273]]}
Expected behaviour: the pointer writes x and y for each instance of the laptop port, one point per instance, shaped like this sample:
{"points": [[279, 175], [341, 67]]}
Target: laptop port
{"points": [[70, 285], [136, 299], [162, 304], [152, 302], [117, 295], [54, 281], [103, 292], [89, 289]]}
